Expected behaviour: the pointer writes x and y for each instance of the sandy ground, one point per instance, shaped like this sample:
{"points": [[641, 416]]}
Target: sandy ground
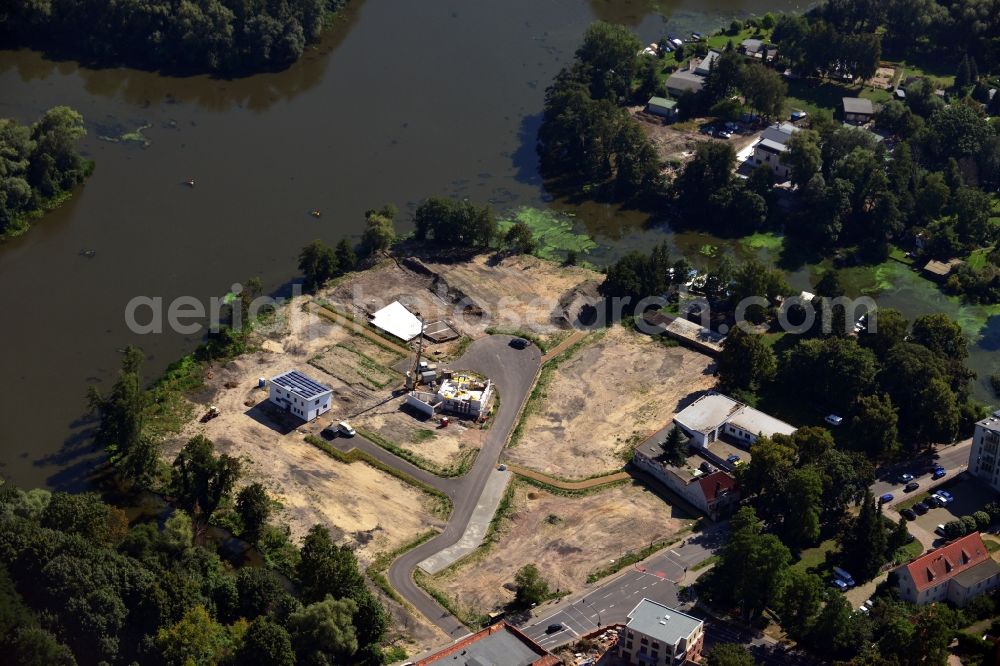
{"points": [[678, 145], [608, 397], [441, 446], [362, 506], [520, 292], [565, 537]]}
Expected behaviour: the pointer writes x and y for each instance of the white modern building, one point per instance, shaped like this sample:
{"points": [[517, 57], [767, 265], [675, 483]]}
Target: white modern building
{"points": [[771, 148], [299, 395], [714, 414], [985, 451], [657, 635]]}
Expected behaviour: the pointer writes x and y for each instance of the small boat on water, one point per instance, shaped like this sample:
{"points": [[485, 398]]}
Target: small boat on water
{"points": [[315, 212], [189, 182]]}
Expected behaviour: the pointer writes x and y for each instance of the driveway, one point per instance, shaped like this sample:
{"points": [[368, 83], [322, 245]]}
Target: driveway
{"points": [[513, 371]]}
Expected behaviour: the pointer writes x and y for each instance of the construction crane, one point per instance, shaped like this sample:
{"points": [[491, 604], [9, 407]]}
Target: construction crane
{"points": [[412, 378]]}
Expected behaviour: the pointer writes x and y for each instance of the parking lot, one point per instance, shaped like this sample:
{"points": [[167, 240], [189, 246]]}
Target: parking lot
{"points": [[970, 496]]}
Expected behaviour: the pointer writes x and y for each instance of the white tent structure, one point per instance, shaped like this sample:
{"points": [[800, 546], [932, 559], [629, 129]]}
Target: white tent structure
{"points": [[396, 320]]}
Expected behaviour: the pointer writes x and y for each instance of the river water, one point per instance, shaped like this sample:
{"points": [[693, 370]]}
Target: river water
{"points": [[402, 100]]}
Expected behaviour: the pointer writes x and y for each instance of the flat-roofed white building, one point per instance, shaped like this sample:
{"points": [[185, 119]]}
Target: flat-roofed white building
{"points": [[299, 395], [985, 451], [714, 414], [657, 635]]}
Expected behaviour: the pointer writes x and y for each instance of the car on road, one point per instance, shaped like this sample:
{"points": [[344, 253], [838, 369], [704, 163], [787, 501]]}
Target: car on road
{"points": [[839, 584], [920, 508], [939, 472], [885, 499], [344, 428], [519, 343], [834, 420], [905, 478], [909, 514], [733, 459], [911, 486], [553, 628]]}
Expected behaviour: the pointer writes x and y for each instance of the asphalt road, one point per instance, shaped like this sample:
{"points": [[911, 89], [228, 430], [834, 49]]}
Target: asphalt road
{"points": [[513, 372], [953, 457]]}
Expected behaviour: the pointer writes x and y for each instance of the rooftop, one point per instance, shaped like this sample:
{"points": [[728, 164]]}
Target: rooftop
{"points": [[661, 623], [978, 573], [947, 562], [300, 384], [779, 133], [706, 64], [708, 412], [858, 105], [752, 45], [685, 80], [662, 102], [991, 422], [396, 320], [497, 645], [772, 146], [755, 421]]}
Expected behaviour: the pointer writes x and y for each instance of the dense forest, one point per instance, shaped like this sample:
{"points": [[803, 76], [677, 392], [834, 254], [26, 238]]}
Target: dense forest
{"points": [[225, 36], [39, 165]]}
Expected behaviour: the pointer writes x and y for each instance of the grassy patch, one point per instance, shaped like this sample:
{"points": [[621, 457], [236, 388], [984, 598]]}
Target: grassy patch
{"points": [[376, 570], [440, 505], [467, 618], [552, 230], [813, 559], [569, 492], [538, 392], [458, 468], [908, 552], [705, 563], [422, 435], [764, 241]]}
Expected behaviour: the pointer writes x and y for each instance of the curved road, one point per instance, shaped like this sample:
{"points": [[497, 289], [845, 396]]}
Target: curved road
{"points": [[513, 371]]}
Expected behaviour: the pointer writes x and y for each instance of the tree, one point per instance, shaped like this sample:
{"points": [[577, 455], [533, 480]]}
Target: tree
{"points": [[837, 627], [729, 654], [195, 639], [886, 328], [865, 542], [746, 361], [323, 632], [133, 451], [957, 131], [266, 644], [327, 569], [199, 480], [764, 90], [345, 258], [972, 217], [608, 55], [874, 426], [520, 239], [800, 602], [963, 75], [755, 280], [802, 507], [846, 477], [766, 475], [379, 234], [982, 519], [724, 76], [318, 263], [675, 447], [529, 586], [832, 371], [254, 507]]}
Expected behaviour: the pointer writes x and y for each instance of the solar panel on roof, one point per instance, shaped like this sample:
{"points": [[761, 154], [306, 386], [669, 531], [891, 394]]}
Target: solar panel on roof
{"points": [[300, 384]]}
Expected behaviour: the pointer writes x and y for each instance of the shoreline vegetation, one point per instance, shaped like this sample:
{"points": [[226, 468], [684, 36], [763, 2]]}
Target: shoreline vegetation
{"points": [[225, 37], [40, 168]]}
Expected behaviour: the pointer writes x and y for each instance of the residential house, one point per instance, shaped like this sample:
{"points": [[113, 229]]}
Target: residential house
{"points": [[858, 110], [714, 415], [499, 644], [985, 451], [706, 64], [954, 573], [753, 48], [715, 494], [299, 395], [939, 270], [661, 106], [684, 80], [657, 635], [772, 146]]}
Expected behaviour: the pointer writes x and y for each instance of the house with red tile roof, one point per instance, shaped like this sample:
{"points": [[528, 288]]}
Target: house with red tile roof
{"points": [[955, 573], [499, 644]]}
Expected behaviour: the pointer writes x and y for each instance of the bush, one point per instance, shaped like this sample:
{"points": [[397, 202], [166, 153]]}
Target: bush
{"points": [[954, 529], [995, 383], [982, 519], [993, 508], [970, 524]]}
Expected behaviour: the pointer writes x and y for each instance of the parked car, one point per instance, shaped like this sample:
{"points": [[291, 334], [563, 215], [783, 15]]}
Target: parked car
{"points": [[519, 343], [844, 576], [920, 508], [706, 467], [733, 459], [909, 514], [939, 472], [939, 530], [905, 478], [934, 501], [833, 419], [885, 499], [553, 628], [911, 486], [840, 585], [345, 429], [946, 496], [723, 134]]}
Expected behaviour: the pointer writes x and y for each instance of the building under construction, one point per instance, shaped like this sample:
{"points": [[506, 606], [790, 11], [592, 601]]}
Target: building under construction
{"points": [[461, 393]]}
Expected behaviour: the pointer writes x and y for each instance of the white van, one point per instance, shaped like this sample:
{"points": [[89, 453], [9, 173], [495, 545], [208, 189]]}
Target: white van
{"points": [[345, 429]]}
